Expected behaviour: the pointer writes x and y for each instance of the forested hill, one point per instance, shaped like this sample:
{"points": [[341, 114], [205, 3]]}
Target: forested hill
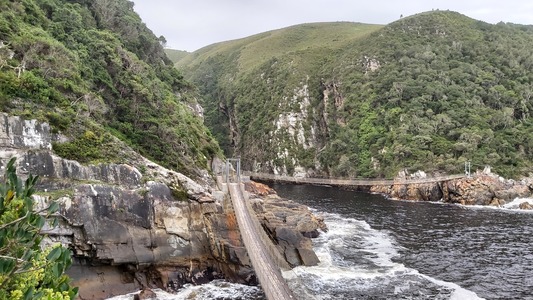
{"points": [[428, 92], [94, 71]]}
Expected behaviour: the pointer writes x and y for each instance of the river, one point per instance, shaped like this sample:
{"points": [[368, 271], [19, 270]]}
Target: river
{"points": [[378, 248]]}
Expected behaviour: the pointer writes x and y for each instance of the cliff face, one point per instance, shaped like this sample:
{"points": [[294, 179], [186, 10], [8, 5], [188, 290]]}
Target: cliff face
{"points": [[128, 229]]}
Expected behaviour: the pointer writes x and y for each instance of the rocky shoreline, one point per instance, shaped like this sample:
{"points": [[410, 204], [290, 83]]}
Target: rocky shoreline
{"points": [[204, 243], [130, 230], [483, 188]]}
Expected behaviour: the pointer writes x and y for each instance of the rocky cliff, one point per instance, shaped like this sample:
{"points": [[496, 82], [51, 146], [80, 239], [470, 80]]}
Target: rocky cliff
{"points": [[480, 189], [142, 225]]}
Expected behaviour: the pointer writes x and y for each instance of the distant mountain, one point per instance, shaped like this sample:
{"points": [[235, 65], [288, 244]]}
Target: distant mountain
{"points": [[429, 92], [176, 55]]}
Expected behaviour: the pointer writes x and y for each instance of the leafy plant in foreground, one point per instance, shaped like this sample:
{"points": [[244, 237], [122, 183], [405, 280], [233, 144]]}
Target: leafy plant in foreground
{"points": [[26, 270]]}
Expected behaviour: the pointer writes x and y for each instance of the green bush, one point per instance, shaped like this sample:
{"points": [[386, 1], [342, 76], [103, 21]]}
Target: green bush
{"points": [[26, 270]]}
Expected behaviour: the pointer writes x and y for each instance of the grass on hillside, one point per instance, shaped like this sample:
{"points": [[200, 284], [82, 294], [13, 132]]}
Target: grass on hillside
{"points": [[176, 55], [258, 49]]}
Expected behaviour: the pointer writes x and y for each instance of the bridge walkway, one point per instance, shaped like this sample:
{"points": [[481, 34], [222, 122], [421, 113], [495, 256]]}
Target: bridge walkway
{"points": [[266, 268]]}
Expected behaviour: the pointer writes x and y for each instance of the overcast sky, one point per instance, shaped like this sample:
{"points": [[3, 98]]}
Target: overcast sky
{"points": [[192, 24]]}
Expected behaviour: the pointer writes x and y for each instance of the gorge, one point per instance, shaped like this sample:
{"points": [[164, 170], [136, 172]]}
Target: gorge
{"points": [[128, 230], [427, 92], [129, 143]]}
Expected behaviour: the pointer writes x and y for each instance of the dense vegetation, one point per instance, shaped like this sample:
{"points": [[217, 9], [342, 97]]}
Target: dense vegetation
{"points": [[26, 270], [94, 71], [426, 92]]}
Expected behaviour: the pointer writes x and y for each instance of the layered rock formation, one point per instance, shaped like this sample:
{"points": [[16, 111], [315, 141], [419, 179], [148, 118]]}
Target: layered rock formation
{"points": [[480, 189], [289, 224], [129, 229]]}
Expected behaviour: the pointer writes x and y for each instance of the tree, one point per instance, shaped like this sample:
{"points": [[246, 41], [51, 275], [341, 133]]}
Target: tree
{"points": [[26, 270], [163, 41]]}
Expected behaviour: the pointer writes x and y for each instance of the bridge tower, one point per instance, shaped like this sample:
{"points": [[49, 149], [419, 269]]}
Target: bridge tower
{"points": [[233, 173]]}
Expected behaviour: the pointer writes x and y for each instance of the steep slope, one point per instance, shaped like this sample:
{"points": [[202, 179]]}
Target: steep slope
{"points": [[427, 92], [255, 74], [93, 71], [113, 104]]}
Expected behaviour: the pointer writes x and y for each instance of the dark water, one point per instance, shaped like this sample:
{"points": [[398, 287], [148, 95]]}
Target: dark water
{"points": [[380, 249], [385, 249]]}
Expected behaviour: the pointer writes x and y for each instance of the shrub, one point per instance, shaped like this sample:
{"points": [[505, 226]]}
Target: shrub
{"points": [[26, 270]]}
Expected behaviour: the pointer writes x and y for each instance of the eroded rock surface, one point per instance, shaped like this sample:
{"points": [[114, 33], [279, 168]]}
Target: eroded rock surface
{"points": [[130, 230], [481, 189], [289, 224]]}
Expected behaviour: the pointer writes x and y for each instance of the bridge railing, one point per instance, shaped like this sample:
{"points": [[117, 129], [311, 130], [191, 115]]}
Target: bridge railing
{"points": [[233, 175], [267, 242], [343, 181], [267, 272]]}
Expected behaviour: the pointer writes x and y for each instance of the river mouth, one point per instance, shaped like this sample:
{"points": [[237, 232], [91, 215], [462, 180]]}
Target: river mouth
{"points": [[377, 248], [419, 250]]}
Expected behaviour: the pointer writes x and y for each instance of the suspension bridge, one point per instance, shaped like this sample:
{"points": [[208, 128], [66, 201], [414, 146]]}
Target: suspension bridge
{"points": [[266, 260], [363, 182]]}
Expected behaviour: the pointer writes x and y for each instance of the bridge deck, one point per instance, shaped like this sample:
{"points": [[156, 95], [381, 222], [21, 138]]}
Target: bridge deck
{"points": [[348, 182], [267, 271]]}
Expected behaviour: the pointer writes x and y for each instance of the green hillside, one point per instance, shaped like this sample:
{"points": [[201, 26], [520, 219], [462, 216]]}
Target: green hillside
{"points": [[251, 52], [429, 92], [94, 71], [176, 55]]}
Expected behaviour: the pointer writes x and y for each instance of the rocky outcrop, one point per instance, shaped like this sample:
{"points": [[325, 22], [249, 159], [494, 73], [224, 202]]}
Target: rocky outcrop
{"points": [[484, 189], [289, 225], [481, 189], [23, 134], [153, 234], [411, 191], [129, 229]]}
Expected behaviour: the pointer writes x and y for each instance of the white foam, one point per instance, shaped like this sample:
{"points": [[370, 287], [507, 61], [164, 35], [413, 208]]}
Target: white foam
{"points": [[377, 244], [381, 248], [217, 289], [513, 206], [458, 293]]}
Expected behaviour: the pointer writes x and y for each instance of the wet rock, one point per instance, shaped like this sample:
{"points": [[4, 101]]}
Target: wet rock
{"points": [[308, 257], [290, 226], [146, 294], [525, 205]]}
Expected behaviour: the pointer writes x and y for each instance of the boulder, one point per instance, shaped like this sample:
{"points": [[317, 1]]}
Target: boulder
{"points": [[526, 205], [146, 294], [258, 189], [290, 226]]}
